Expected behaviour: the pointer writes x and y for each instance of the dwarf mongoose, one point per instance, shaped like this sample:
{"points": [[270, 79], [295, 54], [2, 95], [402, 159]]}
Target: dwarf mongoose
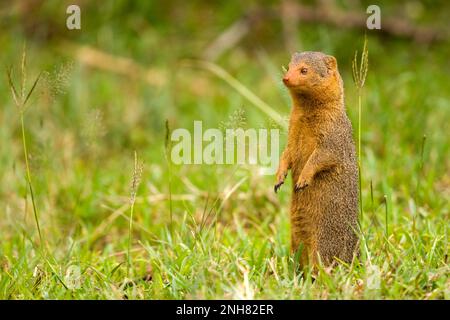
{"points": [[320, 153]]}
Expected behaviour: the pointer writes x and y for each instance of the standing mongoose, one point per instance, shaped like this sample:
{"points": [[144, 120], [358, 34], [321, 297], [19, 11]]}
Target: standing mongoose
{"points": [[320, 153]]}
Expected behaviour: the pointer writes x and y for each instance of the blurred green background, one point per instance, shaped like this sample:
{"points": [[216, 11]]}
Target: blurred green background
{"points": [[106, 91]]}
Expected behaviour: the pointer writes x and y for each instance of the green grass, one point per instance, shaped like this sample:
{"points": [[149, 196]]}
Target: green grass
{"points": [[211, 231]]}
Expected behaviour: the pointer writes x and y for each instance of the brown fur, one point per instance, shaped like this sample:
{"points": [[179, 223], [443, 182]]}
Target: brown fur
{"points": [[321, 156]]}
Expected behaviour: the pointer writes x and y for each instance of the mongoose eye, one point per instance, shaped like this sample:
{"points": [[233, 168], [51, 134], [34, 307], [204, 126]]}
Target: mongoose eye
{"points": [[303, 71]]}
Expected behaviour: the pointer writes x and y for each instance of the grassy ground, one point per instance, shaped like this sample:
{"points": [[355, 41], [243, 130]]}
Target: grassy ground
{"points": [[210, 231]]}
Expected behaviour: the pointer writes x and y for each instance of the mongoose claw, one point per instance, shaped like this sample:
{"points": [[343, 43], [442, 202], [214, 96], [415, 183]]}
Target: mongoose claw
{"points": [[277, 186], [300, 185]]}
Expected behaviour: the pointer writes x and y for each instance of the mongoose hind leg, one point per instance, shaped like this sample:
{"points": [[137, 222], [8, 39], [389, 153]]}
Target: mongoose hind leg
{"points": [[300, 245]]}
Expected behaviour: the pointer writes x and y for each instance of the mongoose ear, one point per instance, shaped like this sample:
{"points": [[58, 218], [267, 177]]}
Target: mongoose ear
{"points": [[331, 62]]}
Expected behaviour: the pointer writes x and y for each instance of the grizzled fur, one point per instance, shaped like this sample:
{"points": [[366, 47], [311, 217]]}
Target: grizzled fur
{"points": [[312, 59], [321, 156]]}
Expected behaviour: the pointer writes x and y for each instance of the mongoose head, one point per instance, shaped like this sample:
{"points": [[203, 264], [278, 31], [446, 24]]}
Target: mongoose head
{"points": [[313, 75]]}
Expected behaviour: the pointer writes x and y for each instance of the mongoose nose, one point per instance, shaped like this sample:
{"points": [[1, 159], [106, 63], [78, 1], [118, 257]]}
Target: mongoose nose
{"points": [[285, 79]]}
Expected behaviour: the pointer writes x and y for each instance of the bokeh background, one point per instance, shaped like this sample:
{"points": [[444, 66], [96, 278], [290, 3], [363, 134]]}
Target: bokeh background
{"points": [[201, 231]]}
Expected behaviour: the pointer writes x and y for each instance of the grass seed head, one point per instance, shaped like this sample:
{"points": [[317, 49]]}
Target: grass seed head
{"points": [[359, 69], [137, 175]]}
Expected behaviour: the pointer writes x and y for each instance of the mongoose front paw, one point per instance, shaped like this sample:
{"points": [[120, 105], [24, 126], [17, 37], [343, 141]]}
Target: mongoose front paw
{"points": [[301, 184], [281, 176]]}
